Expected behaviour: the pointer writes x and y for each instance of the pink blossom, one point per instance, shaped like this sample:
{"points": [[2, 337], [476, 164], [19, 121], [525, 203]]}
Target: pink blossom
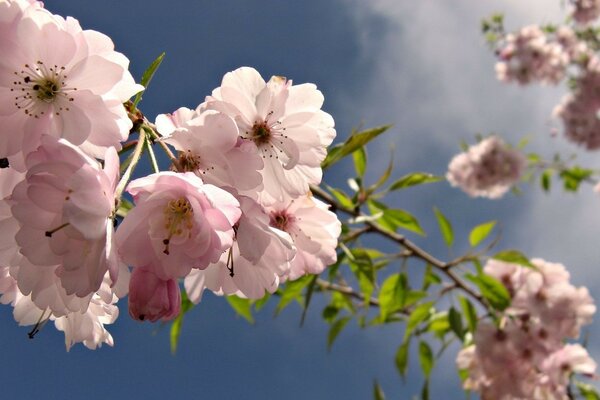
{"points": [[152, 298], [259, 259], [585, 11], [208, 145], [178, 223], [529, 56], [487, 169], [86, 326], [314, 230], [64, 208], [57, 79], [579, 110], [526, 357], [284, 123]]}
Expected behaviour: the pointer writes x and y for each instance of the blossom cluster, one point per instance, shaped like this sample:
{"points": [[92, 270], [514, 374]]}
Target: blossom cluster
{"points": [[235, 215], [536, 54], [487, 169], [525, 356], [585, 11], [530, 55]]}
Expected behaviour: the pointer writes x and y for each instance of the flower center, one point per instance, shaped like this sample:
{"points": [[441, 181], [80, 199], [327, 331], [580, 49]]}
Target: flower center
{"points": [[37, 86], [188, 161], [261, 133], [178, 219], [281, 220]]}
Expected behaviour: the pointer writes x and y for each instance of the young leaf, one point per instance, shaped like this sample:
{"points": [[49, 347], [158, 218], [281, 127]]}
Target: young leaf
{"points": [[292, 291], [588, 392], [241, 307], [421, 313], [513, 256], [377, 391], [402, 357], [480, 232], [396, 218], [390, 296], [360, 161], [455, 320], [469, 312], [545, 180], [493, 291], [413, 179], [445, 227], [354, 142], [147, 78], [175, 332], [335, 330], [426, 358]]}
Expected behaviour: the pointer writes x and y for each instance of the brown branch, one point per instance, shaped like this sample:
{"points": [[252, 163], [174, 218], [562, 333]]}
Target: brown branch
{"points": [[416, 251]]}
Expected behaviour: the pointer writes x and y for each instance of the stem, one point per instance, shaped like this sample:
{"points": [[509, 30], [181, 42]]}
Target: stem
{"points": [[135, 157], [416, 251], [152, 157]]}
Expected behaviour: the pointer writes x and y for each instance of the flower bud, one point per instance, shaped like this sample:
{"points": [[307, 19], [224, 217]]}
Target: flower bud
{"points": [[151, 298]]}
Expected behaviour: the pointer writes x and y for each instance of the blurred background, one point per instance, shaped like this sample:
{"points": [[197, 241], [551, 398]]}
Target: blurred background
{"points": [[422, 66]]}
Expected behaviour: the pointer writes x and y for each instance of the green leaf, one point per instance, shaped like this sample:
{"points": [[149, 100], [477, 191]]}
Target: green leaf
{"points": [[384, 177], [588, 392], [573, 177], [341, 197], [470, 313], [329, 313], [480, 232], [493, 291], [377, 391], [397, 218], [425, 390], [175, 332], [426, 358], [360, 161], [414, 179], [260, 303], [430, 278], [307, 298], [241, 307], [292, 291], [445, 227], [390, 296], [421, 313], [455, 320], [354, 142], [335, 330], [513, 256], [545, 180], [147, 77], [402, 357]]}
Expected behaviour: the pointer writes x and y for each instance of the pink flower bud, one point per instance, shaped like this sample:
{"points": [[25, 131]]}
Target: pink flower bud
{"points": [[151, 298]]}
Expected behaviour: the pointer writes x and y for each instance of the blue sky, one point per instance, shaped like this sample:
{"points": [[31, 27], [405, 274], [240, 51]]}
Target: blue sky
{"points": [[421, 66]]}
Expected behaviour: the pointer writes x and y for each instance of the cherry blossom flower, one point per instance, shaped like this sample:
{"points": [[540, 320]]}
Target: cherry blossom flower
{"points": [[526, 357], [529, 56], [58, 79], [152, 298], [585, 11], [208, 145], [487, 169], [64, 210], [283, 122], [314, 230], [86, 326], [259, 259], [178, 223], [579, 110]]}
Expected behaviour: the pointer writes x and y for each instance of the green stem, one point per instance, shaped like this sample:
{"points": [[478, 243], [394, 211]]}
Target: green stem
{"points": [[135, 157]]}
